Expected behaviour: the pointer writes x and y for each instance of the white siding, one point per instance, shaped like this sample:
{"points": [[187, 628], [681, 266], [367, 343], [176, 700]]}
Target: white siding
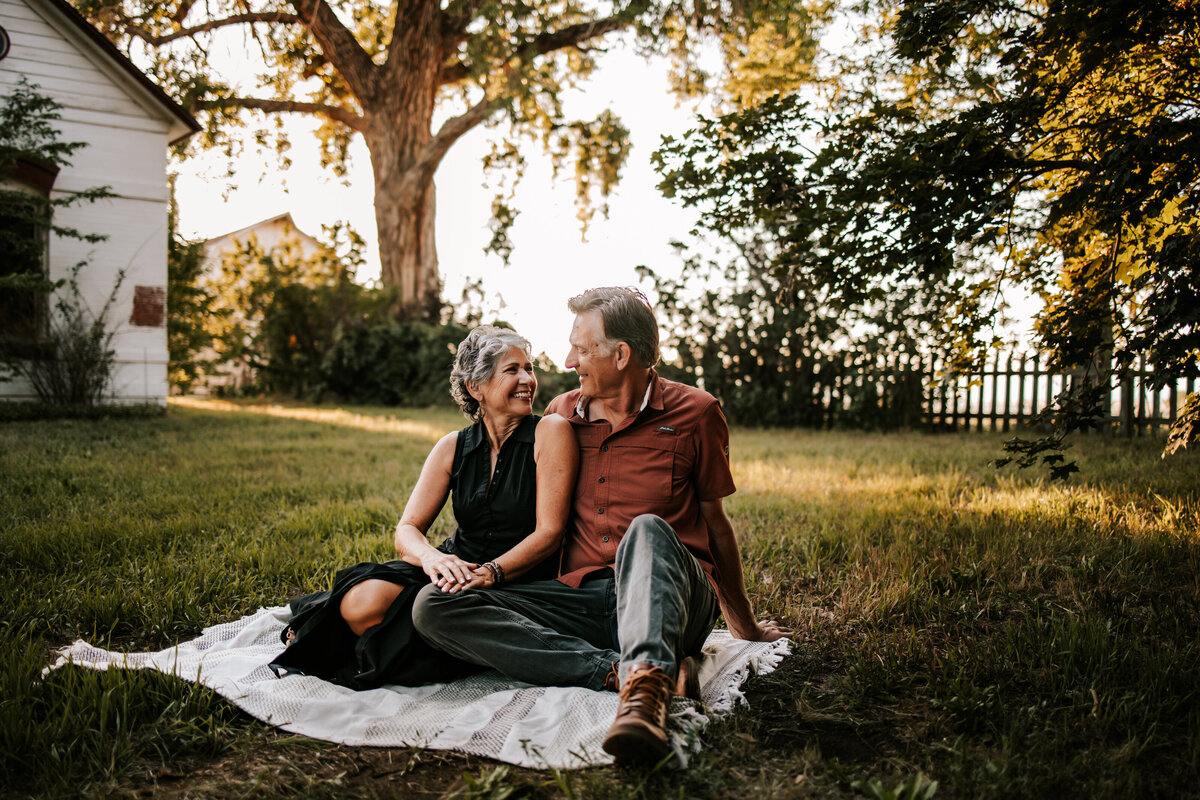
{"points": [[131, 163], [127, 151], [65, 65]]}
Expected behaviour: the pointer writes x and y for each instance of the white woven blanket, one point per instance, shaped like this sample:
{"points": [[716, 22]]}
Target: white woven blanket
{"points": [[485, 715]]}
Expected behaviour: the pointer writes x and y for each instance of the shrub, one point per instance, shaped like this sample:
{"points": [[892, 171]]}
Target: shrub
{"points": [[77, 370], [340, 341], [395, 362]]}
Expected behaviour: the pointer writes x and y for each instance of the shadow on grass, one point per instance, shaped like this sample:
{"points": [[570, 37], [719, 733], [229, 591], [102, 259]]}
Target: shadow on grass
{"points": [[1005, 637]]}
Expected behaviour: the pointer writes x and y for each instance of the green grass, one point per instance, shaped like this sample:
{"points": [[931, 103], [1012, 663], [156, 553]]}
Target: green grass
{"points": [[984, 630]]}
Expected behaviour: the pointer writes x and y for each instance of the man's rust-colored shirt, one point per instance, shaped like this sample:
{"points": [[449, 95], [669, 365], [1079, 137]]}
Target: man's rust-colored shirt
{"points": [[665, 460]]}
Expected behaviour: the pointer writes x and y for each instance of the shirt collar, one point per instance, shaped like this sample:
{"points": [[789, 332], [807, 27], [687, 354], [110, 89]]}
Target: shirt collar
{"points": [[475, 437], [652, 398]]}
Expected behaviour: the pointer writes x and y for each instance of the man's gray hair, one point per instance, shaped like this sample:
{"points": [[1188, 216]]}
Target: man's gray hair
{"points": [[475, 362], [627, 317]]}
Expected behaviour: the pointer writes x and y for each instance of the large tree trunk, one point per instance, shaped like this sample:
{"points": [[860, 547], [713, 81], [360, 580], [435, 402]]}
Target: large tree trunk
{"points": [[398, 118], [404, 215]]}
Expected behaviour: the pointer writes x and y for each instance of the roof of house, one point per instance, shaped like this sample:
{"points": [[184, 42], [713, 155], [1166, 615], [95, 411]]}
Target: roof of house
{"points": [[153, 89], [285, 218]]}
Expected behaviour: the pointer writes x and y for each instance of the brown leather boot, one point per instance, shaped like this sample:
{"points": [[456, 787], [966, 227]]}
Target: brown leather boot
{"points": [[687, 679], [639, 732]]}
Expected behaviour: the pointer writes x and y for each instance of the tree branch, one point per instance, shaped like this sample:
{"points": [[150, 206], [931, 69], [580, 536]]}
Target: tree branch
{"points": [[452, 129], [458, 15], [338, 45], [573, 35], [238, 19], [526, 51], [453, 73], [182, 12], [1034, 168], [336, 113]]}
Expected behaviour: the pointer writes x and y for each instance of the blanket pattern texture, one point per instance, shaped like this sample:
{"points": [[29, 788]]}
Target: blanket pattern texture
{"points": [[484, 715]]}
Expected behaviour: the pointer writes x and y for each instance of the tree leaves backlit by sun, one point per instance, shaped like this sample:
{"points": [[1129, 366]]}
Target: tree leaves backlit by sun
{"points": [[964, 149], [387, 71]]}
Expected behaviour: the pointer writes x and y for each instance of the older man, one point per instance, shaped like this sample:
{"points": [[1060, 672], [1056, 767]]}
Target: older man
{"points": [[650, 555]]}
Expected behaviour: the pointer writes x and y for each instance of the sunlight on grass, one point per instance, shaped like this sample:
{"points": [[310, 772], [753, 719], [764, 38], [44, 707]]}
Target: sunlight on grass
{"points": [[1005, 636], [328, 416]]}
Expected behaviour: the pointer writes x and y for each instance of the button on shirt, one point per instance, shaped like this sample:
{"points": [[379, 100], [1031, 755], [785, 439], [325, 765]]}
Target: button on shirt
{"points": [[665, 460]]}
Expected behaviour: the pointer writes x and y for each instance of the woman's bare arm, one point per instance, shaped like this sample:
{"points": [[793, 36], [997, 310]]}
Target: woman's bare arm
{"points": [[422, 508]]}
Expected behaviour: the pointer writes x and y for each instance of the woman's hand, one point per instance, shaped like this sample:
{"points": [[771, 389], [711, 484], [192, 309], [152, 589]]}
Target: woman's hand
{"points": [[447, 572], [481, 578]]}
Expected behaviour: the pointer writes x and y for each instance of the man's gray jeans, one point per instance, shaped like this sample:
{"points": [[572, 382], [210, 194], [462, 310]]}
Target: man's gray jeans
{"points": [[656, 606]]}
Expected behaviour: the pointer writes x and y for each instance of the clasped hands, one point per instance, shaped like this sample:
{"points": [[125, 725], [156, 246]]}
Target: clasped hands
{"points": [[452, 575]]}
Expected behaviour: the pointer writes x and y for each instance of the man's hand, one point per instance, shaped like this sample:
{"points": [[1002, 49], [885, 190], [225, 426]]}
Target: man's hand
{"points": [[765, 630]]}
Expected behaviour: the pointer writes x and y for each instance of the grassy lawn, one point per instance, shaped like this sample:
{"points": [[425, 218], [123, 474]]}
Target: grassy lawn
{"points": [[987, 631]]}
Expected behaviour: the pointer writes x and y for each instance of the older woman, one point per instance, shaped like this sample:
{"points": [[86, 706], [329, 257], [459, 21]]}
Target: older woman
{"points": [[510, 476]]}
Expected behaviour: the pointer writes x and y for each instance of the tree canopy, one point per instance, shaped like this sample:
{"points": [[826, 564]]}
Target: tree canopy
{"points": [[388, 70], [966, 149]]}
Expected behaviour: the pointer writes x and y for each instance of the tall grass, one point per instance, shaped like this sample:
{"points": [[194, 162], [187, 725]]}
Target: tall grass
{"points": [[1000, 635], [1011, 637]]}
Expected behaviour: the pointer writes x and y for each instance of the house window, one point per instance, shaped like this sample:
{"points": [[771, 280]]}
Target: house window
{"points": [[24, 240]]}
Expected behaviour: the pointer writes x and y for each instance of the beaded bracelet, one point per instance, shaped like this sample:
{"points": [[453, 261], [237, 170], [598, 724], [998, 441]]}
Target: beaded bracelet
{"points": [[497, 573]]}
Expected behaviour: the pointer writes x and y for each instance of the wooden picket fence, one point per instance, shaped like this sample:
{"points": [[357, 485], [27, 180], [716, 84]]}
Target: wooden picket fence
{"points": [[909, 391], [1008, 392]]}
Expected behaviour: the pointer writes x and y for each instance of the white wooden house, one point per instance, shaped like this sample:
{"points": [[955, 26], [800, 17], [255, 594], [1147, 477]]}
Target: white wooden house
{"points": [[270, 235], [277, 237], [127, 122]]}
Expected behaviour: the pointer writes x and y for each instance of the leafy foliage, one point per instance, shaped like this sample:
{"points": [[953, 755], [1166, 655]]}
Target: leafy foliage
{"points": [[27, 128], [339, 341], [297, 323], [79, 368], [189, 338], [967, 150], [245, 285], [1187, 428], [27, 133], [776, 357], [384, 71]]}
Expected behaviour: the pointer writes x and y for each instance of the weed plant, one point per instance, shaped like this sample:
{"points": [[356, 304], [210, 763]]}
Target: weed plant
{"points": [[962, 632]]}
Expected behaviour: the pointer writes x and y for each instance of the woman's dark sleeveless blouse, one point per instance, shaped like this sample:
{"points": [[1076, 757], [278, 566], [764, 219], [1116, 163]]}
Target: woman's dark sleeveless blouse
{"points": [[492, 515]]}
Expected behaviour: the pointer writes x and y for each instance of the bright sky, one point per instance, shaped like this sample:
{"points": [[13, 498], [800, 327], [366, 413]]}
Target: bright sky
{"points": [[550, 262]]}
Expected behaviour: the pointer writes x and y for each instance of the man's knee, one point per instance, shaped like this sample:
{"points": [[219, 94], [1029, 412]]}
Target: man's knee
{"points": [[647, 530], [647, 525]]}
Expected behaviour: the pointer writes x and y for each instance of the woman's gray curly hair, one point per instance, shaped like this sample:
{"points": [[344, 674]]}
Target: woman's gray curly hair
{"points": [[475, 362]]}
